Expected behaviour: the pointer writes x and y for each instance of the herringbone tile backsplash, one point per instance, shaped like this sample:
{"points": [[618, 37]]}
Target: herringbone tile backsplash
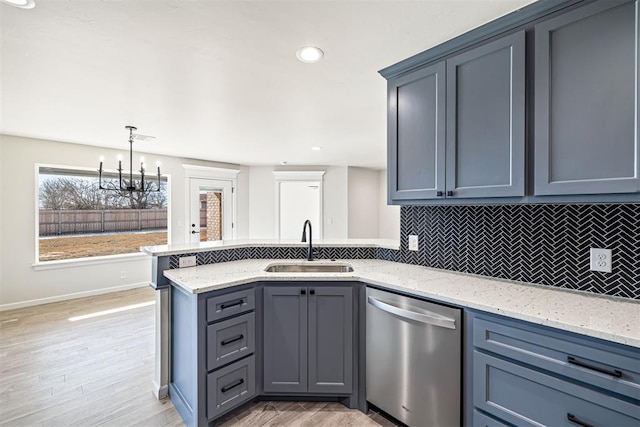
{"points": [[544, 244], [262, 252]]}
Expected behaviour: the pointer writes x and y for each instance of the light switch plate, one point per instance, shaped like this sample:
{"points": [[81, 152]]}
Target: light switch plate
{"points": [[413, 242], [600, 260], [187, 261]]}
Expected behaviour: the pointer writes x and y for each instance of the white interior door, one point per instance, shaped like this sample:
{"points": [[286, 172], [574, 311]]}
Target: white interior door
{"points": [[210, 210], [299, 201]]}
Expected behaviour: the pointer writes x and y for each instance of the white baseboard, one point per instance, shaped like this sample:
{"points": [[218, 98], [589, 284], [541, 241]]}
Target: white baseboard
{"points": [[160, 392], [57, 298]]}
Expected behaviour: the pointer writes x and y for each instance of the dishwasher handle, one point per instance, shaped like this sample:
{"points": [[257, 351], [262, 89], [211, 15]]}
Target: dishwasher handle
{"points": [[427, 317]]}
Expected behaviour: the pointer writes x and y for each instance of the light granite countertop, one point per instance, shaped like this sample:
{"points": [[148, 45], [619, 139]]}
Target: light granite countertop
{"points": [[182, 248], [613, 319]]}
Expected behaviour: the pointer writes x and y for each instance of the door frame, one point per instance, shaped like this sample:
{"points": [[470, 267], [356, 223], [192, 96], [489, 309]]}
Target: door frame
{"points": [[225, 179]]}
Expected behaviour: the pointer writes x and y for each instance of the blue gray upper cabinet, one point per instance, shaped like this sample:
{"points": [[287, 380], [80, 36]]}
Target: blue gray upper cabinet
{"points": [[416, 134], [486, 120], [457, 128], [586, 101]]}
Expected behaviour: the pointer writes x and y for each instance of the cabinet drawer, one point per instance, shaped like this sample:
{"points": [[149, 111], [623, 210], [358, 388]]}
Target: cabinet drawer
{"points": [[613, 370], [230, 386], [230, 340], [525, 397], [221, 306], [482, 420]]}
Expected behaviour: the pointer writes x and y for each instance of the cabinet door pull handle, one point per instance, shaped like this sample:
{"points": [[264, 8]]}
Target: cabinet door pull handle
{"points": [[303, 292], [449, 193], [614, 373], [232, 340], [576, 420], [232, 304], [439, 194], [312, 292], [232, 385]]}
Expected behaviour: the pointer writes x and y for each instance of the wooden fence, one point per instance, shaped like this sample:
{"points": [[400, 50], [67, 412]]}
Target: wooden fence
{"points": [[58, 222]]}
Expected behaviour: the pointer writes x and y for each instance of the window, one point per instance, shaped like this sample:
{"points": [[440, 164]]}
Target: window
{"points": [[77, 219]]}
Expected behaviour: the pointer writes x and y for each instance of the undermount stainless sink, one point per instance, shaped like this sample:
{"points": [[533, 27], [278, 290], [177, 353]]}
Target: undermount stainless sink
{"points": [[309, 268]]}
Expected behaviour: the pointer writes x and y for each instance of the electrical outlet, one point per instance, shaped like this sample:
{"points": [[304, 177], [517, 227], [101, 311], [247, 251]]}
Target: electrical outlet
{"points": [[600, 260], [187, 261], [413, 242], [123, 274]]}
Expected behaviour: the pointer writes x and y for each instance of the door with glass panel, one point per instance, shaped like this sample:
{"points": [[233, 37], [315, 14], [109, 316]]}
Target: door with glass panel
{"points": [[210, 210]]}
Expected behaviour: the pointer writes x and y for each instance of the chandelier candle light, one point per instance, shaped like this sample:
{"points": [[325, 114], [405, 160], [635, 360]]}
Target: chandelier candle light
{"points": [[131, 186]]}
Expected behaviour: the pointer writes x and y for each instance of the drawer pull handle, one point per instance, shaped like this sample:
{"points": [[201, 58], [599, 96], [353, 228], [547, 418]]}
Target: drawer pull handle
{"points": [[232, 340], [232, 385], [614, 373], [232, 304], [576, 420]]}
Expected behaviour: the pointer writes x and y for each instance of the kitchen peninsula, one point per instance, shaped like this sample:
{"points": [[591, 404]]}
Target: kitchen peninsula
{"points": [[224, 267]]}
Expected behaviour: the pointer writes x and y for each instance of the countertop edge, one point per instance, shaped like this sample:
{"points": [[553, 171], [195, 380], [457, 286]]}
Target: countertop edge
{"points": [[167, 250]]}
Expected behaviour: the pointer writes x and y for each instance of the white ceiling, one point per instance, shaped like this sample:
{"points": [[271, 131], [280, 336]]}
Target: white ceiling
{"points": [[218, 80]]}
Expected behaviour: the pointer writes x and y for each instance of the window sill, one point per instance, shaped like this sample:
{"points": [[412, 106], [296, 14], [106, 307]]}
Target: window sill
{"points": [[82, 262]]}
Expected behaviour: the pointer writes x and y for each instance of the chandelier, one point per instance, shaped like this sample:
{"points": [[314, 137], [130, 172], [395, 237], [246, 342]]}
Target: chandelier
{"points": [[131, 186]]}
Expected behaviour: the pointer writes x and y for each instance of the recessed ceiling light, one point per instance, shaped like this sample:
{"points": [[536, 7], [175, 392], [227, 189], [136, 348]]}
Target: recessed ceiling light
{"points": [[316, 148], [24, 4], [309, 54]]}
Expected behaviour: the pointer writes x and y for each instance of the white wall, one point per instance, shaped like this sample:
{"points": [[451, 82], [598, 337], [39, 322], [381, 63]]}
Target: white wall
{"points": [[2, 191], [336, 207], [19, 282], [262, 208], [389, 216], [262, 205], [363, 193]]}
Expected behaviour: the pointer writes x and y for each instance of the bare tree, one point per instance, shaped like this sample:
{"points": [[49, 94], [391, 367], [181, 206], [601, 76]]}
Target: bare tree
{"points": [[51, 195], [84, 193]]}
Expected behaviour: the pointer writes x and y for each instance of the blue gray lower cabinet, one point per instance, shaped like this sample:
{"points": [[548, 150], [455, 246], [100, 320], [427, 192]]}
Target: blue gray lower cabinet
{"points": [[213, 344], [282, 339], [309, 339], [528, 375]]}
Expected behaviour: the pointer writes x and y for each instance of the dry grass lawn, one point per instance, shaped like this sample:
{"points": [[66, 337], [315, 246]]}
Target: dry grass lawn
{"points": [[97, 245]]}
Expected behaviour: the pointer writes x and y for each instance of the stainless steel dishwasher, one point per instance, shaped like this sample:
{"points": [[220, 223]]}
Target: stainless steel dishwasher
{"points": [[413, 359]]}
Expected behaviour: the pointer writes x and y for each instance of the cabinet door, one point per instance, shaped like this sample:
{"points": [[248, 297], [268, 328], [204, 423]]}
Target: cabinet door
{"points": [[586, 101], [416, 132], [485, 120], [330, 339], [285, 339]]}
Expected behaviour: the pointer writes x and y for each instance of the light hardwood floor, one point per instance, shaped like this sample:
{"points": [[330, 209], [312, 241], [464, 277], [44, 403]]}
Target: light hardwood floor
{"points": [[98, 371]]}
